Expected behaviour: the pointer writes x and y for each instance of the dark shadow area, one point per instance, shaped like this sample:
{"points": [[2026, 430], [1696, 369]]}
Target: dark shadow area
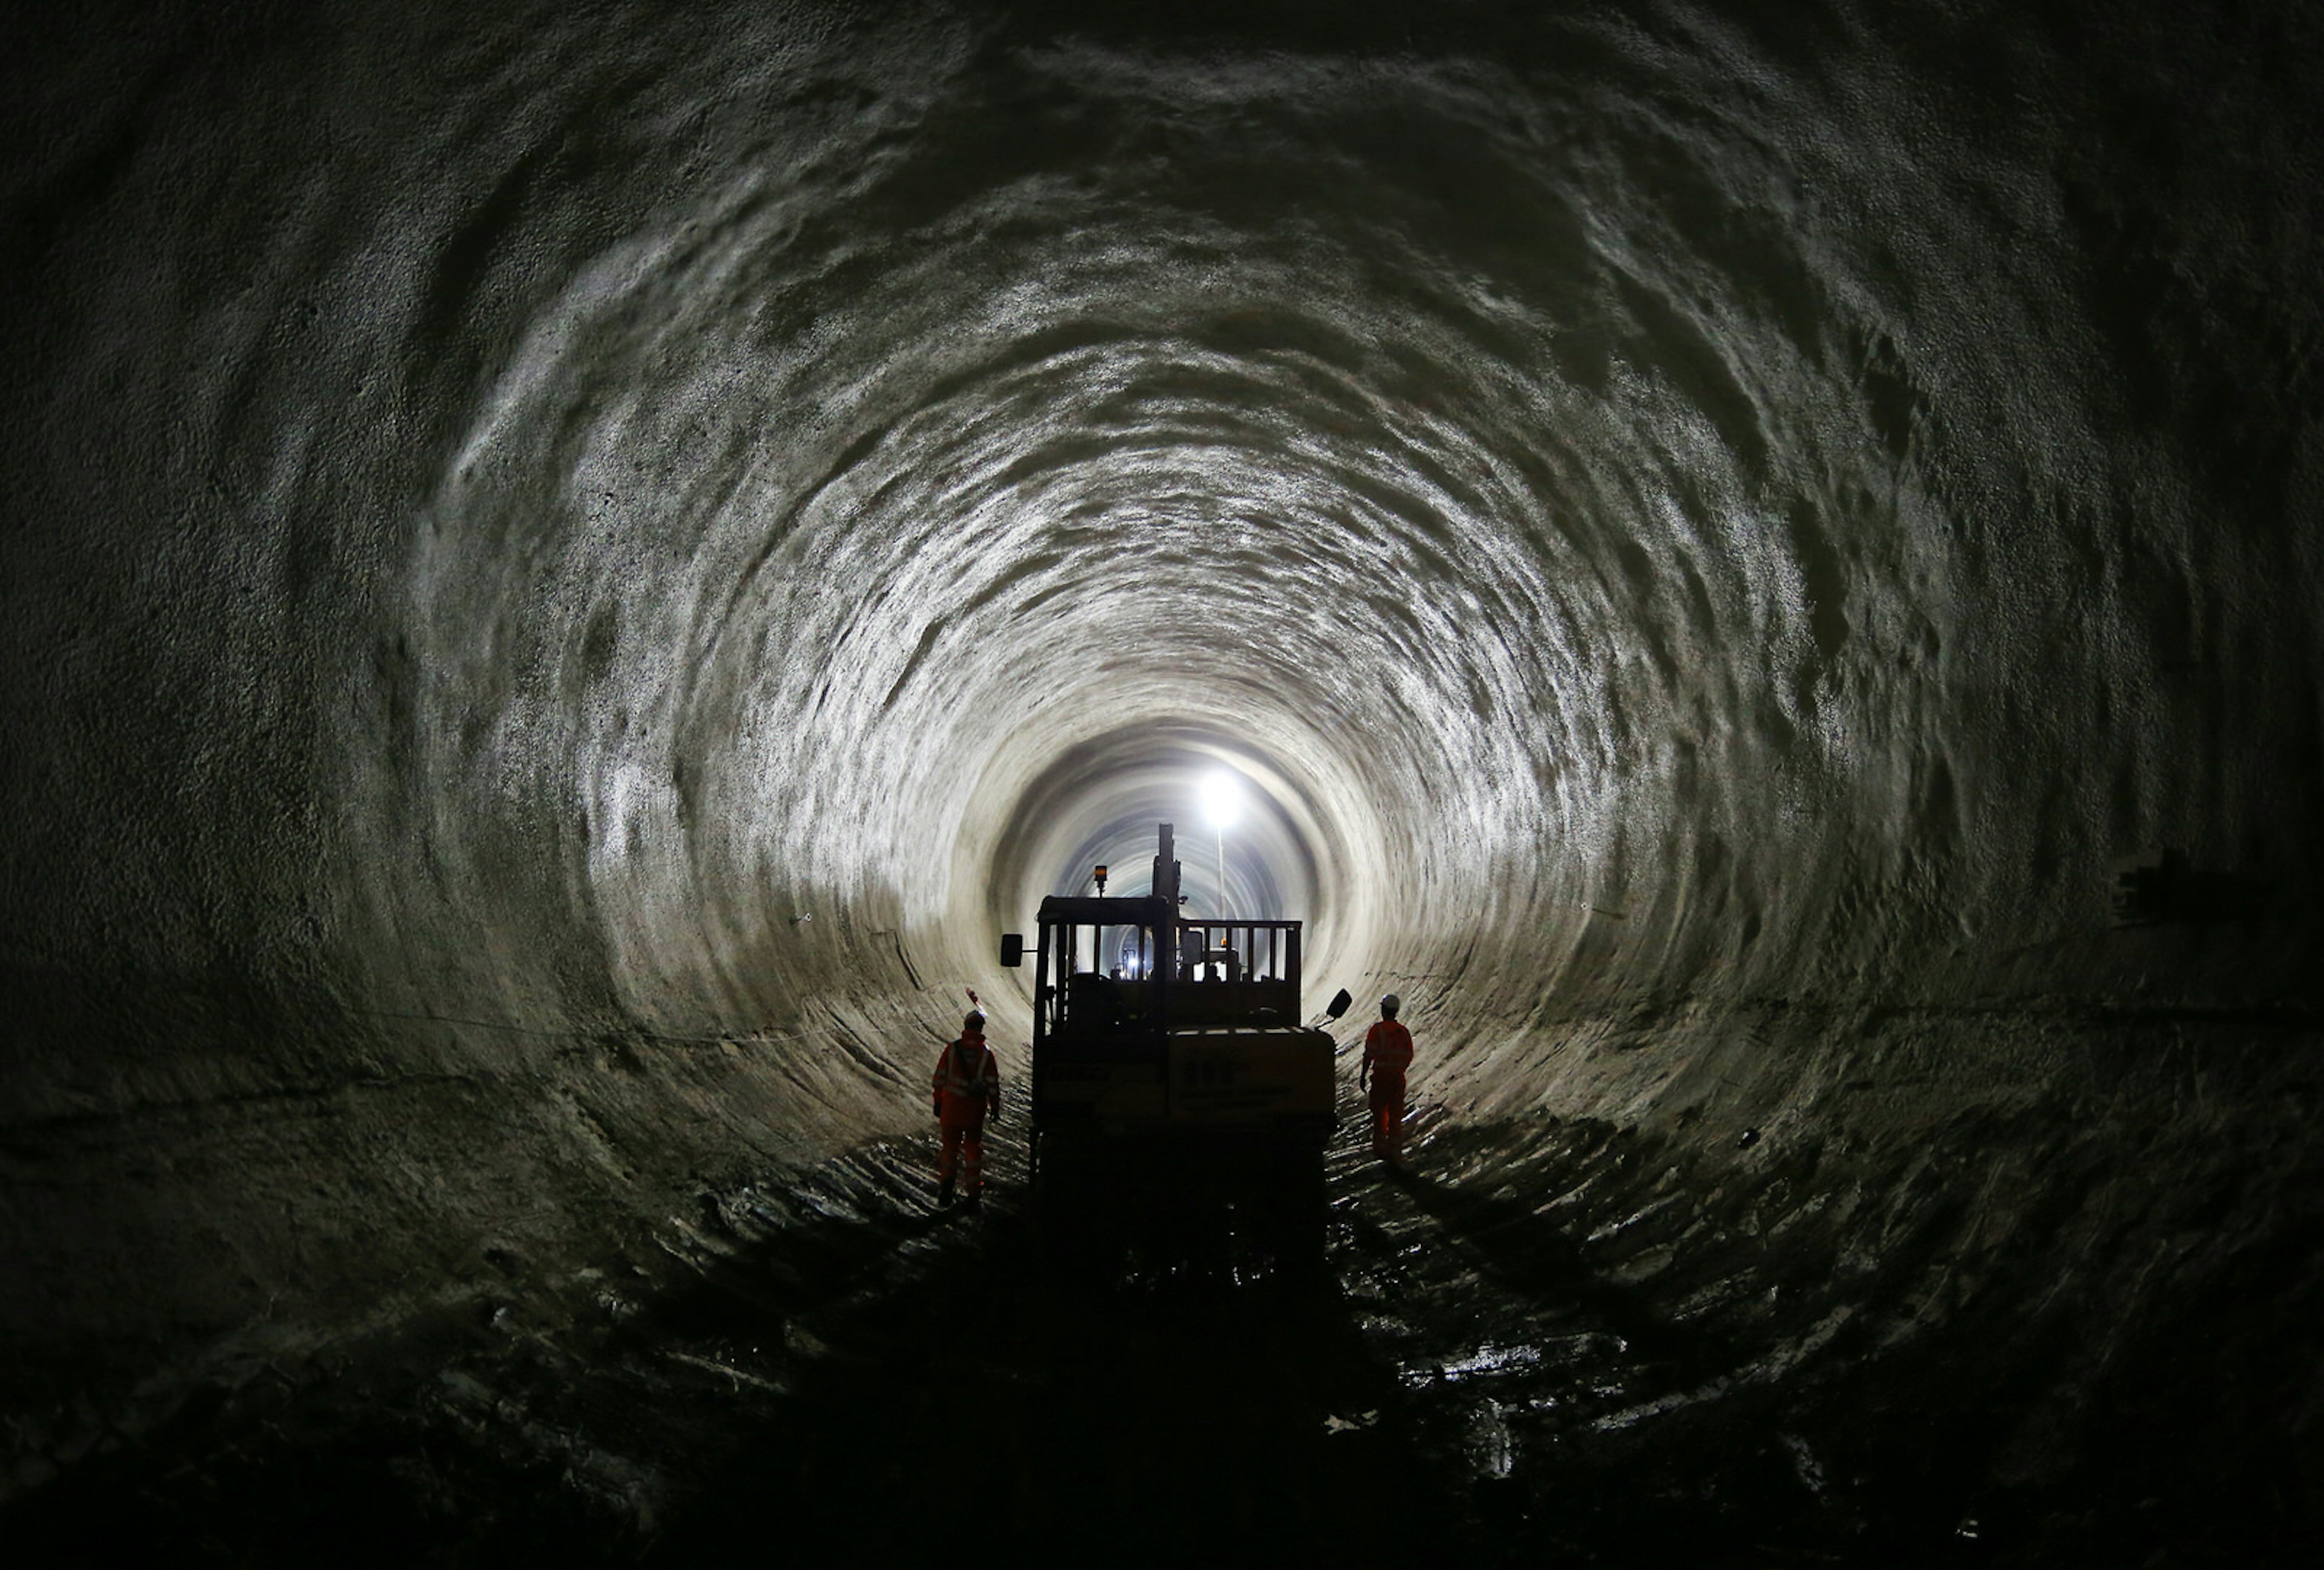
{"points": [[1154, 1390], [1152, 1374], [1702, 1364], [2160, 887], [1565, 1343]]}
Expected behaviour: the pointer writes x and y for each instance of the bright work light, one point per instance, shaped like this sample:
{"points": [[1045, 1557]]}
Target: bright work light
{"points": [[1222, 802]]}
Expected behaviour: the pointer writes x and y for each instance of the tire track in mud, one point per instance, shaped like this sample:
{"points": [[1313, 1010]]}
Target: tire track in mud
{"points": [[1563, 1365], [1546, 1342]]}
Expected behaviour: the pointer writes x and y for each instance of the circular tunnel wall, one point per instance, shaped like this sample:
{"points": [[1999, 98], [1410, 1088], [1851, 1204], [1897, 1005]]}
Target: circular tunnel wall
{"points": [[569, 573]]}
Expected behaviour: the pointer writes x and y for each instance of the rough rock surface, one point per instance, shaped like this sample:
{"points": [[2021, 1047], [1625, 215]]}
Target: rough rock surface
{"points": [[568, 569]]}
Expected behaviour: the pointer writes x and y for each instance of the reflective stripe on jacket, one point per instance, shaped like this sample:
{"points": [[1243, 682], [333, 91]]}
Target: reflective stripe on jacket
{"points": [[1388, 1049], [968, 1079]]}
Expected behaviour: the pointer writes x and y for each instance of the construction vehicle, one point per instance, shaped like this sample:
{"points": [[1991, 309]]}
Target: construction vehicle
{"points": [[1156, 1035]]}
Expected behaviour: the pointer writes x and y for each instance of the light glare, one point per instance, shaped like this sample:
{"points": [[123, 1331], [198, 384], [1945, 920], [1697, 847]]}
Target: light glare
{"points": [[1222, 802]]}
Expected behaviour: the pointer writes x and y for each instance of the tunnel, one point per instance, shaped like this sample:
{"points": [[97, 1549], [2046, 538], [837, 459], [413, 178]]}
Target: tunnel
{"points": [[571, 569]]}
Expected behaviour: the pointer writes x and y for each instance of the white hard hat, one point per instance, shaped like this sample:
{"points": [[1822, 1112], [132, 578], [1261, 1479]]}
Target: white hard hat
{"points": [[1390, 1004]]}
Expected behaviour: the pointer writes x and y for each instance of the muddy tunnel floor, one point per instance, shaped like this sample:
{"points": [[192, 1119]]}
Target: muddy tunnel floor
{"points": [[1595, 1348]]}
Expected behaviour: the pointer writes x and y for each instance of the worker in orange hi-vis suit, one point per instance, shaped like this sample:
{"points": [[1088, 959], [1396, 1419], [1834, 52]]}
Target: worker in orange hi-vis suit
{"points": [[1388, 1053], [967, 1091]]}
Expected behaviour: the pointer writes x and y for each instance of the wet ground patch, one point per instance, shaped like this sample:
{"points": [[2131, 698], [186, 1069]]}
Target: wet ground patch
{"points": [[1541, 1342]]}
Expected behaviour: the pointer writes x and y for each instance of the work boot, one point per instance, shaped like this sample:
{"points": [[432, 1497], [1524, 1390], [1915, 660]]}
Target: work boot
{"points": [[976, 1200], [944, 1192]]}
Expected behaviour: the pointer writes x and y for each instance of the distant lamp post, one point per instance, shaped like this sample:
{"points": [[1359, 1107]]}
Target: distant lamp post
{"points": [[1222, 804]]}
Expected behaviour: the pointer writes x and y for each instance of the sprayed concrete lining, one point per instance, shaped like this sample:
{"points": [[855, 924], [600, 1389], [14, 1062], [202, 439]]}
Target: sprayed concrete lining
{"points": [[568, 571]]}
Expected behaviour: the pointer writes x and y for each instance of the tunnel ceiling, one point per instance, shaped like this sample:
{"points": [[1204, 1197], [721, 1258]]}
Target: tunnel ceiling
{"points": [[586, 520]]}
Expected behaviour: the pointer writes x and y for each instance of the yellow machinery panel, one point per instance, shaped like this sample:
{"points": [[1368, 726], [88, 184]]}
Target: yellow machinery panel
{"points": [[1243, 1076]]}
